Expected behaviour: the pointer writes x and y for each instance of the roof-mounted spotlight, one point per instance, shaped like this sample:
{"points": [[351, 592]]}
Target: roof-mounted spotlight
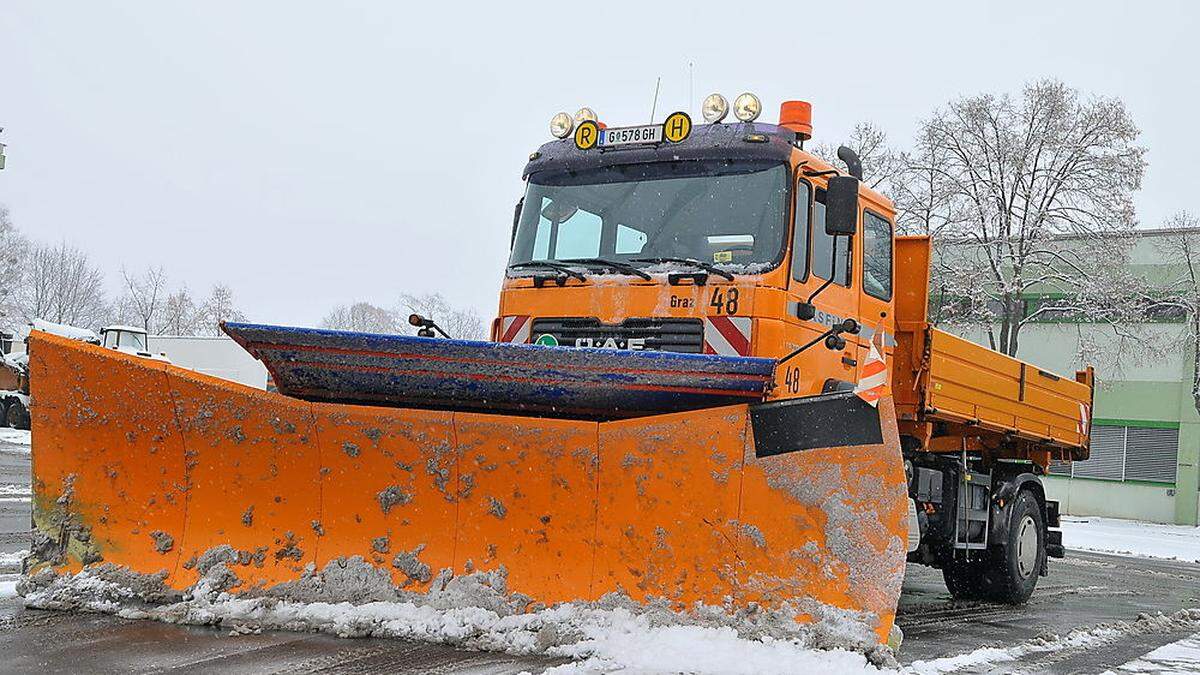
{"points": [[747, 107], [561, 125], [585, 114], [714, 108]]}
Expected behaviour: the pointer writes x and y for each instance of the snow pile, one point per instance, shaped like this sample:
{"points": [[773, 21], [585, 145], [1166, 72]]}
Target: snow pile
{"points": [[1083, 638], [474, 611], [14, 436], [1128, 537]]}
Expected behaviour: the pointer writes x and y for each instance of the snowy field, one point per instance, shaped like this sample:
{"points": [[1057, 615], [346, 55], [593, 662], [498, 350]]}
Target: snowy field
{"points": [[1128, 537]]}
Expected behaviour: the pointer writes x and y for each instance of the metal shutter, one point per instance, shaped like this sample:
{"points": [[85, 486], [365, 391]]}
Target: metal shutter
{"points": [[1059, 468], [1151, 454], [1108, 455]]}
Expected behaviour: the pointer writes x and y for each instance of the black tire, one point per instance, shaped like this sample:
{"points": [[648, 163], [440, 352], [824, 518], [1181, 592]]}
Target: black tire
{"points": [[3, 413], [1017, 562], [965, 579], [17, 416]]}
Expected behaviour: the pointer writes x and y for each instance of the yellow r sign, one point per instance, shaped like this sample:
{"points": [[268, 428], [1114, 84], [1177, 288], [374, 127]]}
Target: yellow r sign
{"points": [[677, 127], [586, 135]]}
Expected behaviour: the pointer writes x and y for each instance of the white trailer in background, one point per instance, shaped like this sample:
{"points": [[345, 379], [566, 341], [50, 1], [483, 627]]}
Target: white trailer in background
{"points": [[218, 356]]}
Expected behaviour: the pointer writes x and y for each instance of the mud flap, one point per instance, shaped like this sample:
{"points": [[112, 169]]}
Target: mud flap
{"points": [[153, 467]]}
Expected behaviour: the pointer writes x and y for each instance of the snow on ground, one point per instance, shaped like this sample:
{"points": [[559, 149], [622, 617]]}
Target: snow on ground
{"points": [[1128, 537], [598, 636], [14, 436], [1178, 657], [1081, 639], [629, 644]]}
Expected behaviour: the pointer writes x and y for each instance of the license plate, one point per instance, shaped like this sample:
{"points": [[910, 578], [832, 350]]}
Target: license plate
{"points": [[647, 133]]}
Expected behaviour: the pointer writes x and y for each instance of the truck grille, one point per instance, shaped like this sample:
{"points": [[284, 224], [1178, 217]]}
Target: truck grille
{"points": [[659, 334]]}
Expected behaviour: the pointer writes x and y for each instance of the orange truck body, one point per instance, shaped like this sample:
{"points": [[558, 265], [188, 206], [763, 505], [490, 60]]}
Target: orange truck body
{"points": [[148, 466]]}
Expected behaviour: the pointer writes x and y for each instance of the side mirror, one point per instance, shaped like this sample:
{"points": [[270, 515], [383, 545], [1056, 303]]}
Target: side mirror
{"points": [[841, 205]]}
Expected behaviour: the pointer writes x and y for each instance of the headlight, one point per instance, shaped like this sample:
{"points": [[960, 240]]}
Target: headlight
{"points": [[561, 125], [714, 109], [584, 114], [747, 107]]}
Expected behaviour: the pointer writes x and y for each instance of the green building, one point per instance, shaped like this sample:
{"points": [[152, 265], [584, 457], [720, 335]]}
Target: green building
{"points": [[1145, 461]]}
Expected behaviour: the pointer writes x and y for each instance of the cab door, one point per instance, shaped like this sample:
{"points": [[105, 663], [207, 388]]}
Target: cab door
{"points": [[814, 260], [875, 281]]}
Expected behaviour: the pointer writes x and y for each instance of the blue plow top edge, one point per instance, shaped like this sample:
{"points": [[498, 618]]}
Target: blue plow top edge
{"points": [[431, 373]]}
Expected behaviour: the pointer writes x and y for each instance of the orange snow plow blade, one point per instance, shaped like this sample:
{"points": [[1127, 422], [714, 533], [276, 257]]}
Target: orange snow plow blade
{"points": [[147, 465]]}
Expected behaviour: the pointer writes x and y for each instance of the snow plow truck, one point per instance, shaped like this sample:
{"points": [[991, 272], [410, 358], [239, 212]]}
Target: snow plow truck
{"points": [[711, 382]]}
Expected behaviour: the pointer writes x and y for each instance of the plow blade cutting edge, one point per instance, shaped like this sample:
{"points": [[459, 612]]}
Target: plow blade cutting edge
{"points": [[346, 367], [148, 466]]}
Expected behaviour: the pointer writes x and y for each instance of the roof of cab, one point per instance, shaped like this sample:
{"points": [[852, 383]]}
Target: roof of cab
{"points": [[707, 141]]}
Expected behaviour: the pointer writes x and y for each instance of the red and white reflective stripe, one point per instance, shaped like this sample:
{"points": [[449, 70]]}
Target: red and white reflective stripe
{"points": [[873, 380], [515, 329], [726, 335], [1085, 419]]}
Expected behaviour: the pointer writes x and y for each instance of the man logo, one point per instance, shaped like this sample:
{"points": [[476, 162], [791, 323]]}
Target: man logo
{"points": [[677, 127], [586, 135]]}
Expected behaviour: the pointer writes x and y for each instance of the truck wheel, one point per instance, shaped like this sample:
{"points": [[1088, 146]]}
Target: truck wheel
{"points": [[964, 579], [3, 413], [1017, 562], [17, 416]]}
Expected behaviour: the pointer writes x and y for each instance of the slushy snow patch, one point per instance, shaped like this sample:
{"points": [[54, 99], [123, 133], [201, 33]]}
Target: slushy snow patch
{"points": [[1178, 657], [1081, 639], [7, 490], [12, 560], [1129, 537], [8, 586], [475, 612]]}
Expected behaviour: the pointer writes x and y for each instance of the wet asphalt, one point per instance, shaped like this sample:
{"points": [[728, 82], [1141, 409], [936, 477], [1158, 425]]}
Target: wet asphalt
{"points": [[1082, 591]]}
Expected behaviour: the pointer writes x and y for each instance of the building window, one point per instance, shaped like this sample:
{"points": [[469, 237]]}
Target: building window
{"points": [[1121, 453]]}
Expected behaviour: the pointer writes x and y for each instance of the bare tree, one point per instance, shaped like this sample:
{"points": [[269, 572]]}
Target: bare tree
{"points": [[13, 250], [179, 315], [881, 164], [461, 324], [1030, 196], [218, 307], [1179, 295], [60, 284], [362, 317], [145, 298]]}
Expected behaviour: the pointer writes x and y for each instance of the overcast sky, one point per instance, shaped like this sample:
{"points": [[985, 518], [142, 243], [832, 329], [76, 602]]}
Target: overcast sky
{"points": [[314, 154]]}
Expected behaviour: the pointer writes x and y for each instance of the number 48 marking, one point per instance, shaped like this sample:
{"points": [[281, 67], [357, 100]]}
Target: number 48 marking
{"points": [[724, 302]]}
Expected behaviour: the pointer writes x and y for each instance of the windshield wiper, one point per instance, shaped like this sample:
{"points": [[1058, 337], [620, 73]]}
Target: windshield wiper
{"points": [[707, 267], [611, 264], [550, 266]]}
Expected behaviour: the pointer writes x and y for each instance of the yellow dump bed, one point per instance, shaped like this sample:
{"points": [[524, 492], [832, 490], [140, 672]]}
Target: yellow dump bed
{"points": [[949, 389], [971, 384]]}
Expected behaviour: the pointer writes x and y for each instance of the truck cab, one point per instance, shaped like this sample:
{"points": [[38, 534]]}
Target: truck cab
{"points": [[716, 243], [130, 340]]}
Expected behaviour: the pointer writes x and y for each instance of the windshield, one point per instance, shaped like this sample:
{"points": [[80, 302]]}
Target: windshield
{"points": [[125, 339], [730, 214]]}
